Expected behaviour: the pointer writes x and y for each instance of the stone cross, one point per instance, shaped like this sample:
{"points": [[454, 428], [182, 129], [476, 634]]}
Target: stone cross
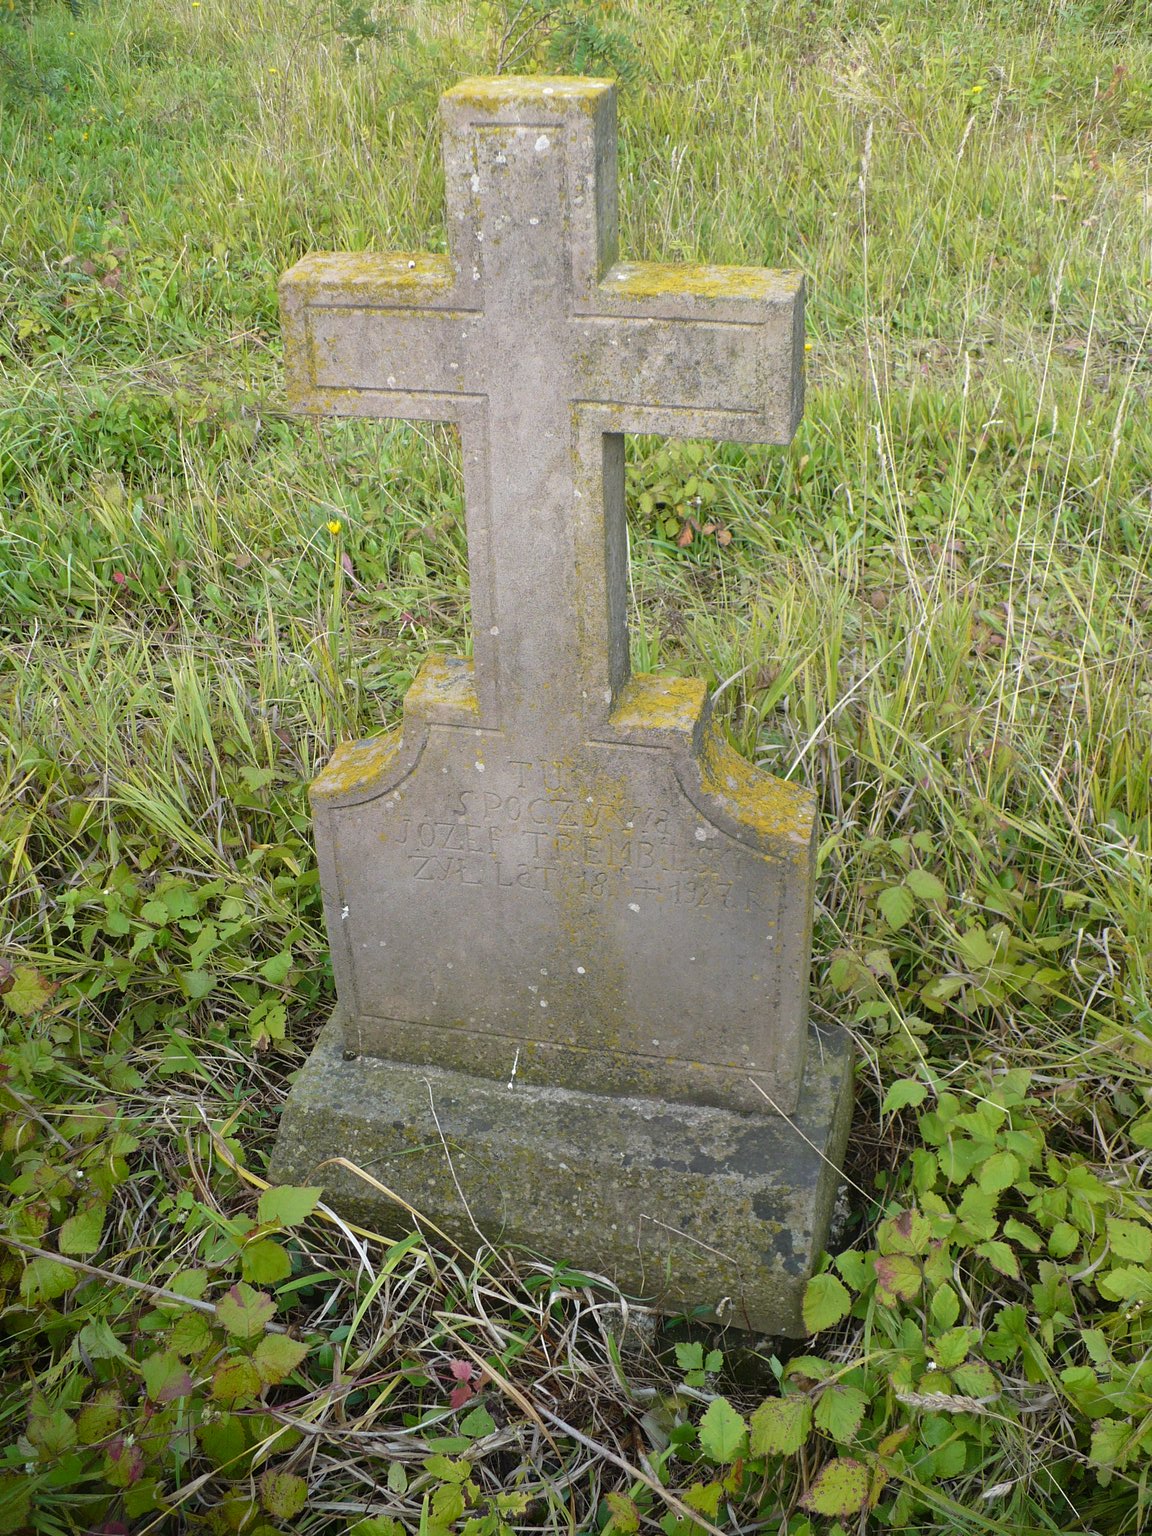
{"points": [[556, 892]]}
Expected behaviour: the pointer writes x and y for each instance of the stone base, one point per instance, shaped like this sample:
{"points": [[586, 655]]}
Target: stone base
{"points": [[680, 1205]]}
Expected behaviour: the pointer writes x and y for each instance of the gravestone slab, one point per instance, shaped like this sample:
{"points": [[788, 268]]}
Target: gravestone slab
{"points": [[570, 926]]}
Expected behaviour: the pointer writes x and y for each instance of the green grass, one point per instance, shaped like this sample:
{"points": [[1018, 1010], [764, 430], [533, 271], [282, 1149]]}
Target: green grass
{"points": [[934, 608]]}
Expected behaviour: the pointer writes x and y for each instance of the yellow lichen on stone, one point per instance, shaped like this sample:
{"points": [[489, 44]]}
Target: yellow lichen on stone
{"points": [[490, 94], [661, 279], [443, 680], [362, 277], [650, 703], [355, 765], [766, 805]]}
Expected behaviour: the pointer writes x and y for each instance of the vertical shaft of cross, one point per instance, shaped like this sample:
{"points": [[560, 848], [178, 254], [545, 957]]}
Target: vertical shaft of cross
{"points": [[530, 210]]}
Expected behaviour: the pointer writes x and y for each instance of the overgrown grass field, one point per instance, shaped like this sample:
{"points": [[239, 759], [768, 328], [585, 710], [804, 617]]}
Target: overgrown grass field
{"points": [[934, 608]]}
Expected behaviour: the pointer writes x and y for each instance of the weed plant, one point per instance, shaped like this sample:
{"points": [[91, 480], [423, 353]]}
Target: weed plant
{"points": [[933, 608]]}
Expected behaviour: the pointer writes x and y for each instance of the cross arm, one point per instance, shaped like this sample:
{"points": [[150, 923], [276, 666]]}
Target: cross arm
{"points": [[695, 351], [381, 336]]}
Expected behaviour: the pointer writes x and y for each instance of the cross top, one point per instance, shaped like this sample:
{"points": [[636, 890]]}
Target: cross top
{"points": [[544, 349]]}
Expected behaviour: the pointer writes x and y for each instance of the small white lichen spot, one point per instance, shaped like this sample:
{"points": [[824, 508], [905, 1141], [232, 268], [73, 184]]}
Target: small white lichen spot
{"points": [[580, 971], [391, 381], [633, 906], [475, 182], [542, 143], [343, 913], [543, 1004], [701, 835], [479, 767], [411, 266], [533, 222], [495, 630]]}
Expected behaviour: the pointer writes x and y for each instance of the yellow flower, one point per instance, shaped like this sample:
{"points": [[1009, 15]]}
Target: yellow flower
{"points": [[976, 89], [807, 346], [334, 526]]}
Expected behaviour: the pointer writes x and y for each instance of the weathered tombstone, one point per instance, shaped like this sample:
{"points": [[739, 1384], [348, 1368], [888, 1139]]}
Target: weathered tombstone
{"points": [[570, 926]]}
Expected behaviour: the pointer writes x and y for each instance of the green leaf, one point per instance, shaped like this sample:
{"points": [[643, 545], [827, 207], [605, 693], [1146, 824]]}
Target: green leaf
{"points": [[98, 1340], [897, 904], [397, 1478], [283, 1494], [976, 1379], [945, 1307], [925, 886], [99, 1419], [952, 1347], [722, 1431], [826, 1303], [244, 1311], [898, 1278], [690, 1357], [906, 1092], [81, 1233], [477, 1424], [840, 1490], [1063, 1240], [265, 1262], [1125, 1284], [839, 1411], [779, 1427], [166, 1377], [197, 984], [190, 1335], [235, 1380], [625, 1515], [277, 1356], [1001, 1257], [45, 1279], [285, 1205], [223, 1441], [28, 992], [1129, 1240], [276, 969], [378, 1525], [1113, 1442], [1001, 1171]]}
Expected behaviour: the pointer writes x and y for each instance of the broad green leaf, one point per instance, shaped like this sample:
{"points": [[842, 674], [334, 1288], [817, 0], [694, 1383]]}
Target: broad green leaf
{"points": [[976, 1379], [45, 1279], [99, 1419], [265, 1262], [190, 1335], [977, 1210], [897, 904], [378, 1525], [98, 1340], [477, 1424], [952, 1347], [690, 1356], [906, 1092], [223, 1441], [898, 1278], [826, 1303], [1001, 1257], [244, 1311], [722, 1431], [1125, 1284], [166, 1377], [1019, 1232], [276, 969], [1001, 1171], [1063, 1240], [1113, 1441], [1130, 1240], [277, 1356], [28, 993], [779, 1427], [925, 886], [285, 1205], [283, 1494], [625, 1515], [81, 1233], [908, 1232], [945, 1307], [840, 1489], [839, 1411], [197, 984], [236, 1380]]}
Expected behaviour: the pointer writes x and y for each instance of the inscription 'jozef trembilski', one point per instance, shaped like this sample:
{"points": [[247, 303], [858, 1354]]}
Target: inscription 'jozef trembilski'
{"points": [[570, 926]]}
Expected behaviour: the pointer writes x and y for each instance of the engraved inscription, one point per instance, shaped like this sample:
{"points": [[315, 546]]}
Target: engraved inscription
{"points": [[546, 836]]}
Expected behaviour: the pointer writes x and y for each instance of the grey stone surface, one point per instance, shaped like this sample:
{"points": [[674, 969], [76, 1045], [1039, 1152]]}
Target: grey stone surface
{"points": [[554, 873], [684, 1206]]}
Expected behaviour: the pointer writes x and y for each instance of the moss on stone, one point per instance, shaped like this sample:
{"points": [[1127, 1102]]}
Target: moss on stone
{"points": [[490, 94], [659, 279], [768, 806], [355, 765]]}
